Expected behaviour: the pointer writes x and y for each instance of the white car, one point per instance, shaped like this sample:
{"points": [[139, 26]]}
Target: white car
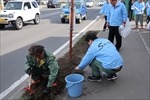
{"points": [[89, 3], [17, 12], [101, 2]]}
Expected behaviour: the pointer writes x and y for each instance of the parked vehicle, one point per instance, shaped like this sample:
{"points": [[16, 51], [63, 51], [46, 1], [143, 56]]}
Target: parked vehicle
{"points": [[44, 2], [80, 11], [53, 4], [101, 2], [17, 12], [89, 3], [39, 2]]}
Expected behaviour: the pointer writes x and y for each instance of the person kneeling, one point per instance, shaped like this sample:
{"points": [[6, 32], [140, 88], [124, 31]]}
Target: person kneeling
{"points": [[41, 62], [101, 55]]}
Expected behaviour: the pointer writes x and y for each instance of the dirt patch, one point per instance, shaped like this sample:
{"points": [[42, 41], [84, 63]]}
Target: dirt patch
{"points": [[66, 67]]}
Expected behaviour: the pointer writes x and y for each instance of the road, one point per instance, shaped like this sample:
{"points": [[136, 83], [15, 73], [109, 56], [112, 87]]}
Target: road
{"points": [[15, 43]]}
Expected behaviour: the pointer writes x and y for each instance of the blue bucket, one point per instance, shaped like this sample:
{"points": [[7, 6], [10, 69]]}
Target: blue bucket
{"points": [[74, 84]]}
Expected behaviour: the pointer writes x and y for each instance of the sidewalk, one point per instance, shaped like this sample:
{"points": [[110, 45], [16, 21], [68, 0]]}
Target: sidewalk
{"points": [[133, 80]]}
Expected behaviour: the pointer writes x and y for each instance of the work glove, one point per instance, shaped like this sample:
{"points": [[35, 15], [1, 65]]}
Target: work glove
{"points": [[29, 71], [47, 91]]}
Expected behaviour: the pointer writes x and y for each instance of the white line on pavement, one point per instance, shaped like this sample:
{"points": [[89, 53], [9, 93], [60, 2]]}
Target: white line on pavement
{"points": [[23, 78], [146, 46]]}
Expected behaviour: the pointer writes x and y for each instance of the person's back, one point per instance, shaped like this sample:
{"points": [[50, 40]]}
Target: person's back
{"points": [[102, 56], [106, 53]]}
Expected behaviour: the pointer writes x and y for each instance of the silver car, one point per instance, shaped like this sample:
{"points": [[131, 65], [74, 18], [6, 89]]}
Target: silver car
{"points": [[89, 3], [101, 2]]}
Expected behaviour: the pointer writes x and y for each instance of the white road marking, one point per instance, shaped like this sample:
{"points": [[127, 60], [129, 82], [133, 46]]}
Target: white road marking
{"points": [[146, 46], [24, 77]]}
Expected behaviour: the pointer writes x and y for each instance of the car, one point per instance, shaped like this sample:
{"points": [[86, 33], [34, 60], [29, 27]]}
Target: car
{"points": [[39, 2], [80, 11], [44, 2], [17, 12], [101, 2], [53, 4], [89, 3]]}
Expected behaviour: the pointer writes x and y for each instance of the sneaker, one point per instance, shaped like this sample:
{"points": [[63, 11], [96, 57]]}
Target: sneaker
{"points": [[112, 77], [103, 30], [95, 78]]}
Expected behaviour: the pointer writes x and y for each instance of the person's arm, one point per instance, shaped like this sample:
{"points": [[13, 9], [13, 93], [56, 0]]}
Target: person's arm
{"points": [[143, 6], [124, 13], [108, 17], [54, 69], [147, 5], [87, 59], [28, 63], [133, 6], [102, 9]]}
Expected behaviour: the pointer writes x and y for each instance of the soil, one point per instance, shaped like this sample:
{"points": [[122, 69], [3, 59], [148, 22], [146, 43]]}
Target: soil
{"points": [[67, 66]]}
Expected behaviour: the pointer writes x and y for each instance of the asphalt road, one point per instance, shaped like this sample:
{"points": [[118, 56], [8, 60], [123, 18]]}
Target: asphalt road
{"points": [[15, 43]]}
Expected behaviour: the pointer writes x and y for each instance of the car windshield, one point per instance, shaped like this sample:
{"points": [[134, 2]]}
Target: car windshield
{"points": [[101, 0], [13, 6], [55, 1], [89, 0], [77, 5]]}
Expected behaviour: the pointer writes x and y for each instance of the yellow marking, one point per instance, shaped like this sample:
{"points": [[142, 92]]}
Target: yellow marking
{"points": [[67, 17], [2, 20]]}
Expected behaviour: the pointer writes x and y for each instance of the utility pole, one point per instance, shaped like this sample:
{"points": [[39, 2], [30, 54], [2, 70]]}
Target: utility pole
{"points": [[1, 4], [71, 26]]}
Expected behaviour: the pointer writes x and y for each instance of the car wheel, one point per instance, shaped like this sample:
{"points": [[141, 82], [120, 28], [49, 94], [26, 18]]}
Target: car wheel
{"points": [[79, 20], [37, 19], [2, 26], [63, 20], [47, 6], [18, 23], [85, 17]]}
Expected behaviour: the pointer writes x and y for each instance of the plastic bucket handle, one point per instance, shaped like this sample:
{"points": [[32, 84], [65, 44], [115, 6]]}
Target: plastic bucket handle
{"points": [[69, 85]]}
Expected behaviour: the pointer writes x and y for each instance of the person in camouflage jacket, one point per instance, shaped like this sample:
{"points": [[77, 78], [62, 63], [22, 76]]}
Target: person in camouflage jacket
{"points": [[41, 62]]}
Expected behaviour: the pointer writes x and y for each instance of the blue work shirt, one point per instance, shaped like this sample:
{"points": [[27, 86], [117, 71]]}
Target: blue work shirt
{"points": [[148, 8], [117, 15], [105, 8], [140, 6], [103, 51]]}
